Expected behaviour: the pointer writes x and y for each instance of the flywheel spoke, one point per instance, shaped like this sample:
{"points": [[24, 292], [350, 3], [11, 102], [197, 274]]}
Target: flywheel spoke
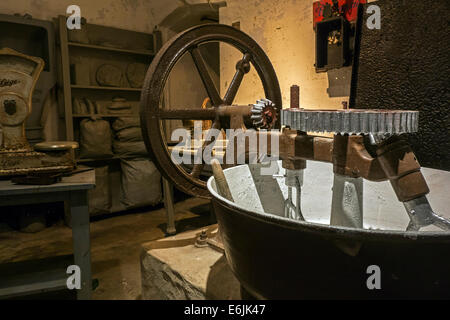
{"points": [[206, 77], [242, 67]]}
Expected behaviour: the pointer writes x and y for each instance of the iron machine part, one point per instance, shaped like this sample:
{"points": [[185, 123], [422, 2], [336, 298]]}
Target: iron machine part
{"points": [[385, 158], [403, 170], [264, 114], [354, 121], [222, 113], [390, 157], [366, 145]]}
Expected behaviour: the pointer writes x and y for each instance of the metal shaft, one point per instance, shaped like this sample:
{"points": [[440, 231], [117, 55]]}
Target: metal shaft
{"points": [[293, 180]]}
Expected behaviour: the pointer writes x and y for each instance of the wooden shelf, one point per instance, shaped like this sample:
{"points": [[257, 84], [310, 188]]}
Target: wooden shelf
{"points": [[105, 115], [112, 49], [96, 159], [81, 160], [34, 276], [75, 86]]}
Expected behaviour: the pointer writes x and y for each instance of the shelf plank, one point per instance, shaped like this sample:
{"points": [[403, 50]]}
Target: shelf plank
{"points": [[82, 160], [96, 159], [109, 115], [75, 86], [34, 276], [112, 49]]}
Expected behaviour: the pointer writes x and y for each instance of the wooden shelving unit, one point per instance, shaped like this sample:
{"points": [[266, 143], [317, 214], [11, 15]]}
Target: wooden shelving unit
{"points": [[81, 54], [140, 47]]}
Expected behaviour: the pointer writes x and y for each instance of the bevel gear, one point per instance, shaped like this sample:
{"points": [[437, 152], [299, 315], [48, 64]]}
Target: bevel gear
{"points": [[264, 114]]}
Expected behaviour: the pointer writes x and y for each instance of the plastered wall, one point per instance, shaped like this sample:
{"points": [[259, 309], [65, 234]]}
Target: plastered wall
{"points": [[136, 15], [284, 29]]}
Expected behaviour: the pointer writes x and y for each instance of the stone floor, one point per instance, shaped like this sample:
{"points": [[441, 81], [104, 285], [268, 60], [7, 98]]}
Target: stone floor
{"points": [[115, 244]]}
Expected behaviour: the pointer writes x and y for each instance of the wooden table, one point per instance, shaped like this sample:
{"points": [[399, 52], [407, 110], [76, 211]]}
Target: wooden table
{"points": [[73, 190]]}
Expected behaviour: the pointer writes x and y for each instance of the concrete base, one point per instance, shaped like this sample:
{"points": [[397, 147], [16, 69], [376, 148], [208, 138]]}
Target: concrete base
{"points": [[174, 268]]}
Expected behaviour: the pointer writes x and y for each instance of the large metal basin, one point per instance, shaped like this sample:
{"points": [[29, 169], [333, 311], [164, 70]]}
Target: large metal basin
{"points": [[278, 258]]}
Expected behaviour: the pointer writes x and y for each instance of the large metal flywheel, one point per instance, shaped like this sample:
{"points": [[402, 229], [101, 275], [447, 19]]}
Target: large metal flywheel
{"points": [[153, 112]]}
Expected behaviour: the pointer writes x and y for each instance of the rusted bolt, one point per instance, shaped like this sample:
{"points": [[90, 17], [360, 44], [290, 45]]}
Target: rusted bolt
{"points": [[244, 64], [201, 240]]}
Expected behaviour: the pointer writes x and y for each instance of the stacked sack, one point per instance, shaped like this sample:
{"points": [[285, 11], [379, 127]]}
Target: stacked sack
{"points": [[95, 134], [140, 180], [128, 140]]}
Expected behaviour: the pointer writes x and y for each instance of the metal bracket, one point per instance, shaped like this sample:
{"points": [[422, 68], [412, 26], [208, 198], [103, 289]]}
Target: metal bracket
{"points": [[421, 215]]}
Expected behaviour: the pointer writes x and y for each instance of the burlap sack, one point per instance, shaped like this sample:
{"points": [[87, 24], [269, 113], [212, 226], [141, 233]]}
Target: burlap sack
{"points": [[126, 122], [95, 139], [140, 183], [129, 148], [100, 196], [129, 134]]}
